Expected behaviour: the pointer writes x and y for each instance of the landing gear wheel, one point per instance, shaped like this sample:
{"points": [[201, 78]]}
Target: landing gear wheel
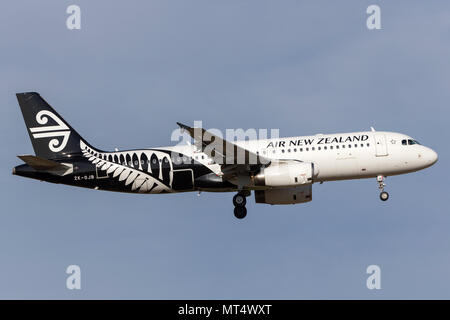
{"points": [[384, 196], [240, 212], [239, 200]]}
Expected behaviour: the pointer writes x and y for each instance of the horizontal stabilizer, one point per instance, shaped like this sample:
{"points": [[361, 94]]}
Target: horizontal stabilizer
{"points": [[43, 164]]}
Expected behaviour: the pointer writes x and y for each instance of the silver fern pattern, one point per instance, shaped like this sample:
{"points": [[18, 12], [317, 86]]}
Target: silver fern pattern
{"points": [[146, 171]]}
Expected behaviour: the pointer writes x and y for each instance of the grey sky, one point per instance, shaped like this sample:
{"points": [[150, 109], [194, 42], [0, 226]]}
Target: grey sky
{"points": [[135, 68]]}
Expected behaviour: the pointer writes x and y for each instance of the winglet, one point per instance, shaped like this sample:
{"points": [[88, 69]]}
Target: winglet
{"points": [[183, 126]]}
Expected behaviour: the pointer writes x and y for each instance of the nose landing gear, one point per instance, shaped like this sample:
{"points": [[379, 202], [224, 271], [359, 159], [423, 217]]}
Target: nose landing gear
{"points": [[383, 195], [239, 201]]}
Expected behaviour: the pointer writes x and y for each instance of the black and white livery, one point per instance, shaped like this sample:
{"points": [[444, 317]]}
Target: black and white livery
{"points": [[278, 171]]}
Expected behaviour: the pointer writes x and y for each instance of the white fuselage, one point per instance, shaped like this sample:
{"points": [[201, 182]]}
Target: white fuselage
{"points": [[339, 156]]}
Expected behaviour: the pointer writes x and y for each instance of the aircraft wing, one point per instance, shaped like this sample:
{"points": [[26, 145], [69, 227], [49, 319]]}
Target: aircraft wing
{"points": [[232, 158]]}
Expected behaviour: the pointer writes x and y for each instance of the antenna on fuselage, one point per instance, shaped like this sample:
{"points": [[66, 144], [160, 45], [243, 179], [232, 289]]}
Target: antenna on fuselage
{"points": [[372, 129]]}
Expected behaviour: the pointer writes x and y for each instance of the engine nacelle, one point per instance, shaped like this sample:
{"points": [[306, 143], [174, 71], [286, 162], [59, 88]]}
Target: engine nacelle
{"points": [[284, 196], [285, 174]]}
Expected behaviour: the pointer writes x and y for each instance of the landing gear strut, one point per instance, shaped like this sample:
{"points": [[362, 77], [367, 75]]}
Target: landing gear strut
{"points": [[239, 201], [383, 195]]}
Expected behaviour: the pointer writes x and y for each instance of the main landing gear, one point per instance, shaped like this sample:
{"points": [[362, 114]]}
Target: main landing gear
{"points": [[239, 201], [383, 195]]}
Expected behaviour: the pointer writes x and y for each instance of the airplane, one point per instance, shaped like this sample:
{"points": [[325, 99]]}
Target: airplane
{"points": [[278, 170]]}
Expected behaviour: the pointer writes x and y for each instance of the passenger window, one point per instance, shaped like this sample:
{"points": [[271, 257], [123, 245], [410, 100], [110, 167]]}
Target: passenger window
{"points": [[343, 146], [282, 150], [325, 148], [318, 148], [301, 149], [331, 147], [312, 148], [368, 144], [349, 145], [404, 142], [337, 147], [362, 144]]}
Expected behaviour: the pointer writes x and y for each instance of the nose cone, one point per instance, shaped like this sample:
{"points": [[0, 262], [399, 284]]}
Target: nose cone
{"points": [[431, 157]]}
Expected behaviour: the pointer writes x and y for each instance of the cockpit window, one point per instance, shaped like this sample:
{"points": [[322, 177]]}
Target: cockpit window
{"points": [[409, 142]]}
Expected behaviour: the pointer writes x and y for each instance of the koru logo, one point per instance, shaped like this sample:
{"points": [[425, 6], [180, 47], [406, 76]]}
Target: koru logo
{"points": [[60, 130]]}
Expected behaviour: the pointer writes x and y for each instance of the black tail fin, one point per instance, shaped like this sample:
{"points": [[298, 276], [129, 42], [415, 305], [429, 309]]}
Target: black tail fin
{"points": [[52, 137]]}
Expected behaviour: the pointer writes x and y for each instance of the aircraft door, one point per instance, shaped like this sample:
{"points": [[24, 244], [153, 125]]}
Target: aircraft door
{"points": [[100, 174], [380, 145]]}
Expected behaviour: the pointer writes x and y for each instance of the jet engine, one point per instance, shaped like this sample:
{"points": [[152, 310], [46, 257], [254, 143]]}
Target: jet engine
{"points": [[285, 174]]}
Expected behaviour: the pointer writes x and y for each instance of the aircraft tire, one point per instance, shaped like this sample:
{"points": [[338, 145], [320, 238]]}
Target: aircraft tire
{"points": [[240, 212], [239, 200]]}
